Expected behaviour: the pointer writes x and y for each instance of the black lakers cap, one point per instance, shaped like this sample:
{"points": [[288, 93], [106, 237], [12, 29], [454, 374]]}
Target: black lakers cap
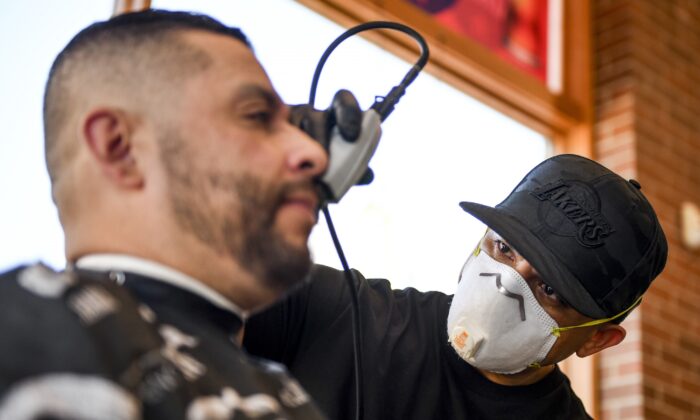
{"points": [[591, 234]]}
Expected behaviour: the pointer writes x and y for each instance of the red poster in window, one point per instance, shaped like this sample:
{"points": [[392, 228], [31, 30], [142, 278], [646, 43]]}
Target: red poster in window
{"points": [[516, 30]]}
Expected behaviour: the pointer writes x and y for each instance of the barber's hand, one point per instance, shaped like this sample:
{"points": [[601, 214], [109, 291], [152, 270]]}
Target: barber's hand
{"points": [[344, 112]]}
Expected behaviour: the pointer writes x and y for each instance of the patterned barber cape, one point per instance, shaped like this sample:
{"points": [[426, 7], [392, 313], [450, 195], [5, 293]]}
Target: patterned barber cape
{"points": [[77, 345]]}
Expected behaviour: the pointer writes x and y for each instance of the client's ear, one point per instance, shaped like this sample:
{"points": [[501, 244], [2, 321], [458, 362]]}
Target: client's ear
{"points": [[108, 136], [607, 335]]}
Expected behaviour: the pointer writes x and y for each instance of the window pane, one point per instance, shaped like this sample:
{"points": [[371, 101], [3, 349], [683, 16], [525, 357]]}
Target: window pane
{"points": [[438, 148]]}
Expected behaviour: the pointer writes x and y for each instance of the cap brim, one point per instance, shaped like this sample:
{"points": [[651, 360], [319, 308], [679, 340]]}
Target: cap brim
{"points": [[551, 270]]}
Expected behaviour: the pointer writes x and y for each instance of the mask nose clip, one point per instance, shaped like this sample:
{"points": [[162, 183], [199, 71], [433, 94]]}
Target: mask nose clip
{"points": [[507, 293]]}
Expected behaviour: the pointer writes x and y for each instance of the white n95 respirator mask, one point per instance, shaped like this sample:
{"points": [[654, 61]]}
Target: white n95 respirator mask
{"points": [[495, 322]]}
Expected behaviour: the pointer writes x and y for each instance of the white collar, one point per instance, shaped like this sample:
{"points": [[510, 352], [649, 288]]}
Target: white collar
{"points": [[121, 262]]}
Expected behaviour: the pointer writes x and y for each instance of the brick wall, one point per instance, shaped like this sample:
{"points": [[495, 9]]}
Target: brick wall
{"points": [[647, 92]]}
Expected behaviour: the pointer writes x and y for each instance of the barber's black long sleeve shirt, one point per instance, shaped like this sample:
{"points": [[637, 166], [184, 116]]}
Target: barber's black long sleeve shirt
{"points": [[410, 370]]}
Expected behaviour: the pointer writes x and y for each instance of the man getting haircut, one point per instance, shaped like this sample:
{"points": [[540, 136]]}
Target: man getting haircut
{"points": [[187, 199]]}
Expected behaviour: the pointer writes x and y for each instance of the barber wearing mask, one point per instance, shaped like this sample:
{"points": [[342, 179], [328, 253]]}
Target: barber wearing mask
{"points": [[568, 254]]}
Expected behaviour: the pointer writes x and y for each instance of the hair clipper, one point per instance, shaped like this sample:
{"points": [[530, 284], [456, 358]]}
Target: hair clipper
{"points": [[350, 137]]}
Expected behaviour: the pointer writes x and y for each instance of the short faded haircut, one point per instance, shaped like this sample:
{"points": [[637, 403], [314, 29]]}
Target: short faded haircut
{"points": [[139, 53]]}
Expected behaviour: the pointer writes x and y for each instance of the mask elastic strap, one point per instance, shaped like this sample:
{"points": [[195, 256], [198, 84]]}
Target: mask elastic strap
{"points": [[557, 331], [477, 250]]}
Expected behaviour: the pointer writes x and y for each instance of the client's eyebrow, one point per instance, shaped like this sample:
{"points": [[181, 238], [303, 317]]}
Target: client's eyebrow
{"points": [[254, 91]]}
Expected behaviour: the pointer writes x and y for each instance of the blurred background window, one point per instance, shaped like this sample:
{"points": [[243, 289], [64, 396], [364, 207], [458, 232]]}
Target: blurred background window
{"points": [[439, 147]]}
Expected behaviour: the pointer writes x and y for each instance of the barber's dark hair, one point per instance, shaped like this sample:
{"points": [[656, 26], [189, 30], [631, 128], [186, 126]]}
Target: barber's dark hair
{"points": [[119, 37]]}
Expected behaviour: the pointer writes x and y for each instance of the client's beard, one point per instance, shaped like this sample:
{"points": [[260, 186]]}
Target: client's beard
{"points": [[245, 228]]}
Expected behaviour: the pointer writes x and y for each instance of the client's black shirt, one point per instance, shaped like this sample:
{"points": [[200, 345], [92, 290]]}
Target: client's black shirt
{"points": [[76, 345]]}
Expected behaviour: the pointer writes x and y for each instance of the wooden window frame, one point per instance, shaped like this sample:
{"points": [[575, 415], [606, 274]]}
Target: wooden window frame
{"points": [[124, 6], [565, 117]]}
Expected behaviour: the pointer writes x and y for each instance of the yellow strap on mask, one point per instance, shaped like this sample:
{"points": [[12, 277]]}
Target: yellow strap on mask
{"points": [[557, 331], [477, 250]]}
